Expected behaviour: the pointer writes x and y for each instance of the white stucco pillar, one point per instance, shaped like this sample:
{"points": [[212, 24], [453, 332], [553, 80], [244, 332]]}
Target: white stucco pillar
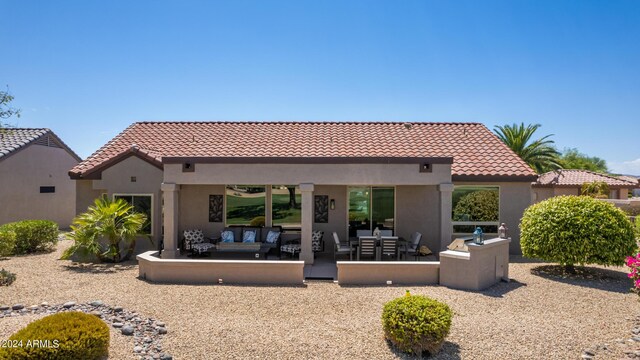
{"points": [[170, 221], [306, 250], [446, 229]]}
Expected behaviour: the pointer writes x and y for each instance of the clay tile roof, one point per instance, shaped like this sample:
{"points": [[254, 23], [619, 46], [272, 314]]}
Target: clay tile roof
{"points": [[475, 150], [579, 177], [13, 139]]}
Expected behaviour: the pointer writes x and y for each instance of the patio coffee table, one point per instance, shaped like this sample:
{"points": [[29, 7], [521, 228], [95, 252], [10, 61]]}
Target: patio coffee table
{"points": [[260, 254]]}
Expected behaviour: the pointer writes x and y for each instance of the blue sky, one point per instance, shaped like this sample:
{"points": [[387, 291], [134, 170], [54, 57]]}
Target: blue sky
{"points": [[88, 69]]}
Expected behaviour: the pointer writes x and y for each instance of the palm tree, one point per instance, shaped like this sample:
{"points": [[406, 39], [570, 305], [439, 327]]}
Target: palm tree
{"points": [[103, 228], [539, 154]]}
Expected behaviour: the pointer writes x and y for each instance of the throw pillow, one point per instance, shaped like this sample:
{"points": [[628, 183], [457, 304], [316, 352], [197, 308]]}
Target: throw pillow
{"points": [[227, 236], [316, 240], [272, 237], [249, 236], [194, 236]]}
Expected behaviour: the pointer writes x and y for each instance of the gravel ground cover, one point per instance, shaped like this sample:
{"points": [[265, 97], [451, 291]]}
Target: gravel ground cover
{"points": [[541, 313]]}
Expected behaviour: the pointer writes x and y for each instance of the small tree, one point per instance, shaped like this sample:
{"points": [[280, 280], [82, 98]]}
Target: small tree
{"points": [[595, 189], [574, 230], [104, 228], [6, 111]]}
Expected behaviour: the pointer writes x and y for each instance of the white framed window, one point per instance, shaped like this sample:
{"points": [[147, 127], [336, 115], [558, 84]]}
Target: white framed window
{"points": [[142, 203], [475, 206]]}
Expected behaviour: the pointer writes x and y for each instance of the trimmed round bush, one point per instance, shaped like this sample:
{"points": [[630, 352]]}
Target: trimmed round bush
{"points": [[573, 230], [416, 324], [31, 235], [66, 335]]}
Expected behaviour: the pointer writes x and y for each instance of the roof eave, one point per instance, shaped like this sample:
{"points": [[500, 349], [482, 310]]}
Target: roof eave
{"points": [[304, 160], [493, 178]]}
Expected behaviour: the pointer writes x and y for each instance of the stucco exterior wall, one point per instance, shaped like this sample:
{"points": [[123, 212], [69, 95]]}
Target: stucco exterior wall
{"points": [[21, 176], [515, 197], [193, 211], [337, 217], [318, 174], [541, 194], [86, 195], [117, 180], [418, 209], [559, 191]]}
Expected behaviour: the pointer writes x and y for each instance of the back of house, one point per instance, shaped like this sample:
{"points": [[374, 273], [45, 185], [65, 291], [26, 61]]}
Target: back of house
{"points": [[401, 177]]}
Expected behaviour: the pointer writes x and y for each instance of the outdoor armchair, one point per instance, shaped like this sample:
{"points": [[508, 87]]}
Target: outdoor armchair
{"points": [[413, 247], [194, 241]]}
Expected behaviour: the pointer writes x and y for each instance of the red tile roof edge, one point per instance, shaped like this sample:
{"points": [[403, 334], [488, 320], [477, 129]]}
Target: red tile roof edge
{"points": [[523, 172], [614, 184]]}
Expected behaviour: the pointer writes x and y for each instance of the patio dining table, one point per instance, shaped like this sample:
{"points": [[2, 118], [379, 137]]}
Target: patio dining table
{"points": [[400, 241]]}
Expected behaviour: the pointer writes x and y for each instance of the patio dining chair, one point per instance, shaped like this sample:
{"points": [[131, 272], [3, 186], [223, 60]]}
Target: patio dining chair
{"points": [[367, 247], [386, 232], [341, 249], [413, 247], [389, 248]]}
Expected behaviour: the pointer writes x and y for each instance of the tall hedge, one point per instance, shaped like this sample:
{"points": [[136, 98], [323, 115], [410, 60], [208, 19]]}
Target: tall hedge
{"points": [[572, 230], [29, 236]]}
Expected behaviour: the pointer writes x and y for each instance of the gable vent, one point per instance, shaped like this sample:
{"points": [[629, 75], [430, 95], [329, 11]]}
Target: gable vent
{"points": [[47, 140]]}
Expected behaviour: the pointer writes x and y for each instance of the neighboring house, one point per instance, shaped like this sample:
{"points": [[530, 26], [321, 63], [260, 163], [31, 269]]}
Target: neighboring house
{"points": [[569, 182], [329, 176], [33, 177], [634, 179]]}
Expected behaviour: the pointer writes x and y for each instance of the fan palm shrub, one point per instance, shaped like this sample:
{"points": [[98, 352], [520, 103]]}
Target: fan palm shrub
{"points": [[105, 230]]}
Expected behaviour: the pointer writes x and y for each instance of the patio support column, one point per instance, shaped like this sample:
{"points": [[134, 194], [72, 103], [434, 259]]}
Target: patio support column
{"points": [[170, 221], [306, 250], [446, 229]]}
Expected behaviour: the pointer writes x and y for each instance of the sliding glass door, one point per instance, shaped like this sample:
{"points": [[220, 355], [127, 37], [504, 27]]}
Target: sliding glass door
{"points": [[371, 207]]}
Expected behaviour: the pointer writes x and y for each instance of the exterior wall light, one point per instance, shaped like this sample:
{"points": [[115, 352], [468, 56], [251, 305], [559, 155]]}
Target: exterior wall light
{"points": [[332, 204]]}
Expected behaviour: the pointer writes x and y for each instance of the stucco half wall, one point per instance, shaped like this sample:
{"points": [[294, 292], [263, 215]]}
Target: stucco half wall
{"points": [[188, 271], [22, 175], [515, 197]]}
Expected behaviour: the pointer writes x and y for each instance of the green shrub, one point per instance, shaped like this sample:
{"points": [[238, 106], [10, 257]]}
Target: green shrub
{"points": [[107, 231], [67, 335], [477, 206], [32, 235], [595, 189], [7, 241], [573, 230], [6, 277], [416, 324]]}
